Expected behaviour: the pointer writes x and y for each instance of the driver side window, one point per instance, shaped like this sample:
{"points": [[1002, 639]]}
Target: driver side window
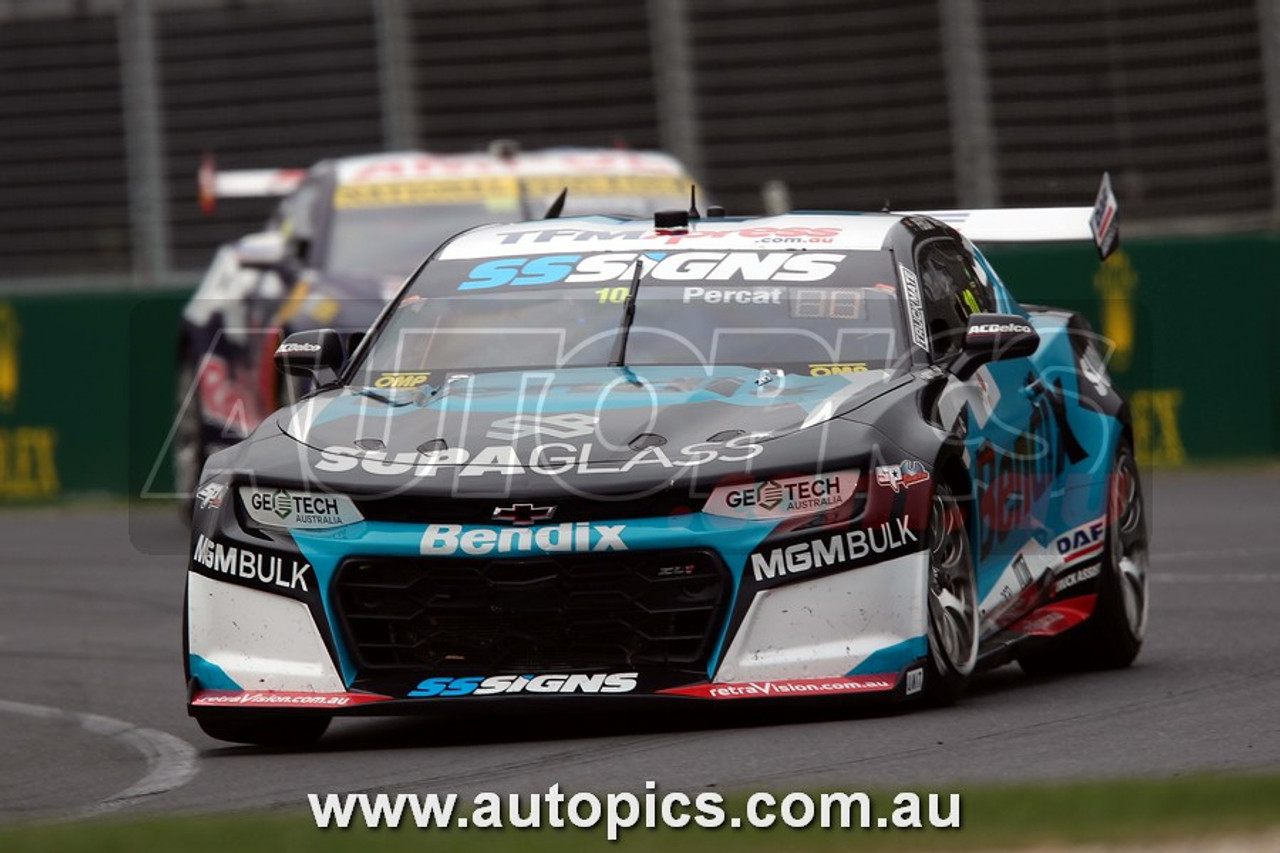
{"points": [[951, 292]]}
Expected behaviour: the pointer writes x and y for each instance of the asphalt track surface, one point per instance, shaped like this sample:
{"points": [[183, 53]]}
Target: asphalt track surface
{"points": [[92, 717]]}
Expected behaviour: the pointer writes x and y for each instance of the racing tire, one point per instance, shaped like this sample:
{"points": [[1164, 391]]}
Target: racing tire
{"points": [[281, 732], [952, 601], [1112, 635], [189, 452]]}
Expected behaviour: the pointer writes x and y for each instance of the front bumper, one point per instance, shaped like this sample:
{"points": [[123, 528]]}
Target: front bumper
{"points": [[388, 617]]}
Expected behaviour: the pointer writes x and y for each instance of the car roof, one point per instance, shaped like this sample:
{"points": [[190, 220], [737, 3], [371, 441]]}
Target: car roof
{"points": [[792, 231]]}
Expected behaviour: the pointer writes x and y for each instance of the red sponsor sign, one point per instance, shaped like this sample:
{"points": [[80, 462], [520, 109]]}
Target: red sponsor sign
{"points": [[790, 688], [281, 699], [1055, 618]]}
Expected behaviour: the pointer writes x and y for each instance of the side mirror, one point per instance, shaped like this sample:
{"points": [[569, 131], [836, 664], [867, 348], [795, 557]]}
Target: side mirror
{"points": [[994, 337], [316, 354], [266, 250]]}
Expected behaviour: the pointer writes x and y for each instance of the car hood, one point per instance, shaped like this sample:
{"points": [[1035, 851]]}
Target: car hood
{"points": [[616, 413]]}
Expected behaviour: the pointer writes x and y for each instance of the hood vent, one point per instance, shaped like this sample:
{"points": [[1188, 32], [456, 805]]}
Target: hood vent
{"points": [[435, 445], [725, 435], [645, 440], [370, 444]]}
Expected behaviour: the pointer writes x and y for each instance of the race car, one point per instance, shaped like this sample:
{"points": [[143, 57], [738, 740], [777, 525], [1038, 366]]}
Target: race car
{"points": [[346, 235], [680, 459]]}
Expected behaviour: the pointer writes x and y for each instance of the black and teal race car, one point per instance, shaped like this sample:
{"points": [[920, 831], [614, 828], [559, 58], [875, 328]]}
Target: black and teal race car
{"points": [[683, 459]]}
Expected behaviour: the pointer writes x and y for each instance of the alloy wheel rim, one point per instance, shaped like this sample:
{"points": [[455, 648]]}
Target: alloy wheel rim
{"points": [[1128, 546], [952, 597]]}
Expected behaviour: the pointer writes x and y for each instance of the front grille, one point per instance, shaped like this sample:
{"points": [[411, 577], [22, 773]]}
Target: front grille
{"points": [[451, 509], [568, 612]]}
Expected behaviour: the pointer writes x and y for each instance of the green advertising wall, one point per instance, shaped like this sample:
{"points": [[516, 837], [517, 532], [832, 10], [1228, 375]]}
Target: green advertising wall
{"points": [[87, 382], [87, 390], [1193, 327]]}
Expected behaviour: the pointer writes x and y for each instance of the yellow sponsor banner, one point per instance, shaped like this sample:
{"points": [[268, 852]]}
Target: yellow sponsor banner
{"points": [[837, 367], [609, 185], [28, 465], [28, 459], [1156, 433], [9, 335], [402, 380], [488, 189], [411, 193], [1116, 280]]}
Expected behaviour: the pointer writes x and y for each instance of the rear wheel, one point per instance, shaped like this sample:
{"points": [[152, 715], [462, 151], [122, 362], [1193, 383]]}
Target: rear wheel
{"points": [[265, 730], [1113, 634], [953, 602]]}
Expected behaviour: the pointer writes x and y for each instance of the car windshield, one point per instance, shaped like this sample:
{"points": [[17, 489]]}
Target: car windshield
{"points": [[390, 242], [816, 312], [376, 234]]}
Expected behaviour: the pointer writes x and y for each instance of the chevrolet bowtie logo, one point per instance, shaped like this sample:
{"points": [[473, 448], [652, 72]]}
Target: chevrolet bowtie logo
{"points": [[522, 514]]}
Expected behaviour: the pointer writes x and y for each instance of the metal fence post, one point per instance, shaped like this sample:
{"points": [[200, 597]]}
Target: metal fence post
{"points": [[969, 100], [144, 143], [395, 75], [674, 82], [1269, 33]]}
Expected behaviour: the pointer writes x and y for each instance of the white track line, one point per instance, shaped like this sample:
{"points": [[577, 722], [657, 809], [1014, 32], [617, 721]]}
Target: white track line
{"points": [[171, 761], [1217, 554], [1226, 577]]}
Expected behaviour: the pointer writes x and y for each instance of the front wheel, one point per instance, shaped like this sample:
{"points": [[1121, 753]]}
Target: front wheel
{"points": [[953, 601]]}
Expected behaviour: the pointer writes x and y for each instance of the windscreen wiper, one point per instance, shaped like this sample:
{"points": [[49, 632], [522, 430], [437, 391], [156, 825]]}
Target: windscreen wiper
{"points": [[628, 317]]}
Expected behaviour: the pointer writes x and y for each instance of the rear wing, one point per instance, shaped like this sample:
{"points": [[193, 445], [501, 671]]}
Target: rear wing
{"points": [[243, 183], [1041, 224]]}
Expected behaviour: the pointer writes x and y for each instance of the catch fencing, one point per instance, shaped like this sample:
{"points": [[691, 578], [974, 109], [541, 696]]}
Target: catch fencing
{"points": [[106, 106]]}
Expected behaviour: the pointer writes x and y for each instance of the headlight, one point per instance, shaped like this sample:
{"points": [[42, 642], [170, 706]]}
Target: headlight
{"points": [[280, 509]]}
